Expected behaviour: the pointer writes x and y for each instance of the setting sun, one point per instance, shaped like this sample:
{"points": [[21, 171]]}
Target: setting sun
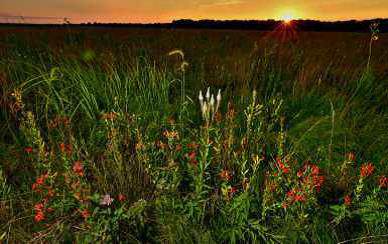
{"points": [[287, 16]]}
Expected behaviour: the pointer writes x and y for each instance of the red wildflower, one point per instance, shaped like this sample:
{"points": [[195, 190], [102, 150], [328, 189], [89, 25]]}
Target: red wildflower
{"points": [[299, 198], [192, 157], [121, 197], [35, 187], [28, 149], [50, 210], [300, 173], [178, 147], [85, 213], [78, 168], [318, 181], [225, 175], [296, 195], [348, 200], [282, 166], [40, 180], [39, 216], [62, 147], [284, 205], [38, 207], [367, 169], [232, 190], [314, 169], [383, 182], [291, 195], [69, 149]]}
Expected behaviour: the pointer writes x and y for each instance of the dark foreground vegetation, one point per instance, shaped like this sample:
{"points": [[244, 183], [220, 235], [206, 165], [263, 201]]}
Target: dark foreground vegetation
{"points": [[106, 137]]}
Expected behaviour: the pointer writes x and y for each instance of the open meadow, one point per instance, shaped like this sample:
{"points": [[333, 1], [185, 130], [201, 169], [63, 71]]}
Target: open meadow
{"points": [[193, 136]]}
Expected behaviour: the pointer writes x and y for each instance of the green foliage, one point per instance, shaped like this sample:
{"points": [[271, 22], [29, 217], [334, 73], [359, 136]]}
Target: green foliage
{"points": [[106, 142]]}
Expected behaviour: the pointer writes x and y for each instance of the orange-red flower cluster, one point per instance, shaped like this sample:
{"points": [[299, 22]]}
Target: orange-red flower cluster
{"points": [[28, 150], [296, 195], [85, 213], [66, 148], [225, 175], [39, 214], [39, 209], [121, 197], [367, 169], [383, 182], [178, 147], [78, 168], [310, 174], [348, 200], [39, 183], [282, 166], [192, 156]]}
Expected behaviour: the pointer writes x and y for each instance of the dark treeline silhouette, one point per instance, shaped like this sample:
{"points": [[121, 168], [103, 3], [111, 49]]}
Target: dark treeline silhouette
{"points": [[263, 25]]}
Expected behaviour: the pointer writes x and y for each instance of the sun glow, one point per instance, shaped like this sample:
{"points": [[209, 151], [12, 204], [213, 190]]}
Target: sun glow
{"points": [[288, 16]]}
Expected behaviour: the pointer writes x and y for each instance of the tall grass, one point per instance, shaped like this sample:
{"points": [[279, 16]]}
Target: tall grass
{"points": [[114, 118]]}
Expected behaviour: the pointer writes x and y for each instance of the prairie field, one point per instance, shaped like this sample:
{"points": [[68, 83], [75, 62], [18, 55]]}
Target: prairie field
{"points": [[193, 136]]}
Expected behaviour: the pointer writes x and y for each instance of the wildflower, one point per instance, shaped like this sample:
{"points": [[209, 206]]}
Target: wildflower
{"points": [[178, 147], [367, 169], [233, 190], [299, 198], [40, 180], [159, 144], [171, 134], [192, 157], [231, 111], [284, 205], [62, 147], [291, 194], [50, 210], [348, 200], [78, 168], [121, 197], [314, 169], [39, 216], [383, 182], [318, 181], [35, 187], [28, 149], [106, 200], [38, 207], [69, 149], [282, 166], [351, 157], [225, 175], [85, 213], [208, 94]]}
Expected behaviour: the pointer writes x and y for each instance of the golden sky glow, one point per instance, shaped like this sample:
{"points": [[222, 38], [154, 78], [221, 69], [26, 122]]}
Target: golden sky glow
{"points": [[167, 10]]}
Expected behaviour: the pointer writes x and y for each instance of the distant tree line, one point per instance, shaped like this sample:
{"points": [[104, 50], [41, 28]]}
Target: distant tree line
{"points": [[260, 25]]}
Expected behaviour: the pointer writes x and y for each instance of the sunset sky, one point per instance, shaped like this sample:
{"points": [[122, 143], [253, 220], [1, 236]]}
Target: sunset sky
{"points": [[167, 10]]}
